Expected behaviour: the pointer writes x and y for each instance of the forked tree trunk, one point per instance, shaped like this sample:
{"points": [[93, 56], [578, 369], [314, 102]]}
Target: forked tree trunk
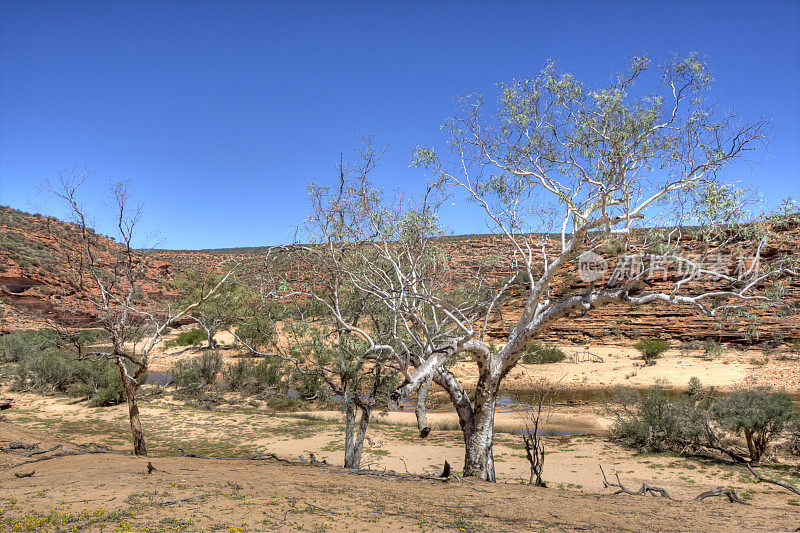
{"points": [[129, 385], [354, 437], [479, 435], [210, 336]]}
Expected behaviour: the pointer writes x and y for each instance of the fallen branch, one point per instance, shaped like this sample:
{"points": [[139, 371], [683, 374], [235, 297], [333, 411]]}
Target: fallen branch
{"points": [[390, 473], [54, 448], [762, 479], [170, 502], [644, 489], [20, 446], [331, 511], [721, 491], [256, 457]]}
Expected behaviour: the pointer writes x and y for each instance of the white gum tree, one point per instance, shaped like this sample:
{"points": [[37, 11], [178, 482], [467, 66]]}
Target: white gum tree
{"points": [[383, 294], [594, 167]]}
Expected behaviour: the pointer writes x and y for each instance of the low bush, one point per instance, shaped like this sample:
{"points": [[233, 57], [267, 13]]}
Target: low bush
{"points": [[198, 371], [238, 376], [193, 337], [55, 370], [248, 375], [656, 420], [652, 421], [712, 349], [651, 349], [20, 344], [538, 354], [309, 385]]}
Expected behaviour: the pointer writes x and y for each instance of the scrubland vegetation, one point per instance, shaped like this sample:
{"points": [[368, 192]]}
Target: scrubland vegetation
{"points": [[367, 314]]}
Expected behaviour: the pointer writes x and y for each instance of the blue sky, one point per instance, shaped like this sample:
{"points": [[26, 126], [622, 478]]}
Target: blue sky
{"points": [[220, 113]]}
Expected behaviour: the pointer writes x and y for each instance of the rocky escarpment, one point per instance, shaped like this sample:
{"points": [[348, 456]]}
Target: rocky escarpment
{"points": [[34, 288], [33, 285]]}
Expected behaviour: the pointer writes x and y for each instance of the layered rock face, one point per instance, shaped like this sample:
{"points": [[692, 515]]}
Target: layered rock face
{"points": [[34, 281], [33, 285]]}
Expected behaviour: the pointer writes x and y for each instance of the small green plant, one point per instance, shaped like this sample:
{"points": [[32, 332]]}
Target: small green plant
{"points": [[651, 349], [238, 375], [209, 364], [711, 349], [538, 354], [193, 337], [198, 371]]}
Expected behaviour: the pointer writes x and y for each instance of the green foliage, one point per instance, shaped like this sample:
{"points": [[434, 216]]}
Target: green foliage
{"points": [[54, 370], [712, 349], [269, 372], [656, 420], [20, 344], [193, 337], [247, 375], [538, 354], [27, 252], [238, 375], [759, 414], [201, 370], [651, 348]]}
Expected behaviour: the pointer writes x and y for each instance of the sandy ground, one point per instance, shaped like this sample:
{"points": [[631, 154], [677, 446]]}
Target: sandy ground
{"points": [[114, 492], [264, 495], [621, 365]]}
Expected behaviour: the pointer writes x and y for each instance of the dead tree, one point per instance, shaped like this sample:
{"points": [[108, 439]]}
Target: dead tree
{"points": [[110, 278], [535, 417]]}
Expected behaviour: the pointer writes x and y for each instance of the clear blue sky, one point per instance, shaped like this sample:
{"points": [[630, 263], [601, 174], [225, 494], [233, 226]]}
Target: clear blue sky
{"points": [[221, 112]]}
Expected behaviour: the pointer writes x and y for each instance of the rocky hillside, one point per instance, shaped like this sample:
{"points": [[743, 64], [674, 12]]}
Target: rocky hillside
{"points": [[33, 281], [31, 286]]}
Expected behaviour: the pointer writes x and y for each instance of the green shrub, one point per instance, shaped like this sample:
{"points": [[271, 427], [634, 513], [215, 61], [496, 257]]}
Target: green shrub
{"points": [[657, 421], [20, 344], [193, 337], [185, 374], [198, 371], [654, 421], [538, 354], [759, 414], [238, 376], [209, 365], [53, 370], [100, 382], [651, 349], [712, 349], [309, 385], [268, 372]]}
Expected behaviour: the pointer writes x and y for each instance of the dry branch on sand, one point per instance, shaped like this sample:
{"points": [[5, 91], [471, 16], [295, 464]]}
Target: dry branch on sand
{"points": [[651, 489]]}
